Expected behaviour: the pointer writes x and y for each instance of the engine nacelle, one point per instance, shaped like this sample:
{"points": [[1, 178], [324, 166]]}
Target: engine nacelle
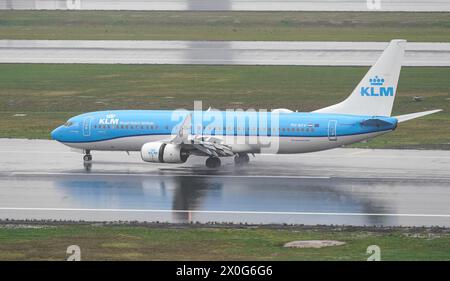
{"points": [[163, 153]]}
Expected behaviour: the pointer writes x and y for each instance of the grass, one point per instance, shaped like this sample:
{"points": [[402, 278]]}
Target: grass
{"points": [[51, 93], [305, 26], [217, 243]]}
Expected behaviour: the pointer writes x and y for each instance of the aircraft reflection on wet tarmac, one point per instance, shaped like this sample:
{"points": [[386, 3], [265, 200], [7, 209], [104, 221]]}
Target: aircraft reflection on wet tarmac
{"points": [[225, 198], [341, 186]]}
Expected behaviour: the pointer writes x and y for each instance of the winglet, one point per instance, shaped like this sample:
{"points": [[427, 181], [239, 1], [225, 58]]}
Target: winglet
{"points": [[184, 131], [406, 117]]}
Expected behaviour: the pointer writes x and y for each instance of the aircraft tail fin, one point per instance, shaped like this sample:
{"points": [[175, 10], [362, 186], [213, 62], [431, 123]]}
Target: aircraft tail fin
{"points": [[375, 93], [406, 117]]}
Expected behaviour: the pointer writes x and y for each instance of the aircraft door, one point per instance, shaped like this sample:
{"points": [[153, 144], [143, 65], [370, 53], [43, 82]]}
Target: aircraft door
{"points": [[87, 126], [332, 135]]}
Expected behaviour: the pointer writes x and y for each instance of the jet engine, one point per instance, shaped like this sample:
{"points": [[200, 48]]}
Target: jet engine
{"points": [[163, 153]]}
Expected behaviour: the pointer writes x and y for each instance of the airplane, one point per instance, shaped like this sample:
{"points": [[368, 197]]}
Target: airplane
{"points": [[167, 136]]}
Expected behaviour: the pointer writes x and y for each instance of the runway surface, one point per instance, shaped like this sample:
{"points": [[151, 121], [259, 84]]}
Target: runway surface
{"points": [[229, 5], [45, 180], [215, 52]]}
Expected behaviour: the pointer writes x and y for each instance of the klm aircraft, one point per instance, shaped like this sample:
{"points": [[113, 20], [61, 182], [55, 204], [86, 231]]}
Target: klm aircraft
{"points": [[164, 136]]}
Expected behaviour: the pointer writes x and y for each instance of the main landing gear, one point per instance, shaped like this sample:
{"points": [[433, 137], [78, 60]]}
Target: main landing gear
{"points": [[87, 157], [213, 162], [241, 159]]}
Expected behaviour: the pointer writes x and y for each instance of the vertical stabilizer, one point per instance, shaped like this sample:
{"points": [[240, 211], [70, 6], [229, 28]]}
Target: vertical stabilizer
{"points": [[375, 94]]}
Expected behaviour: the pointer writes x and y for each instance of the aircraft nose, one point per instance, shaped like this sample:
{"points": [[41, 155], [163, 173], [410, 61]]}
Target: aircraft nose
{"points": [[55, 134]]}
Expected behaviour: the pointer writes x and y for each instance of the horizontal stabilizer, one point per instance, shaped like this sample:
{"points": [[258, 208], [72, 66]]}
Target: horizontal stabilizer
{"points": [[406, 117]]}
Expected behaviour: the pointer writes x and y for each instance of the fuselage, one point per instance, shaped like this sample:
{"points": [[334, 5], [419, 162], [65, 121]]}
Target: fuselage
{"points": [[249, 132]]}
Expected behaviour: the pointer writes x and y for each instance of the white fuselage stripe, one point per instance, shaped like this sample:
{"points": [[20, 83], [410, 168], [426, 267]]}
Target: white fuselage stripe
{"points": [[282, 145]]}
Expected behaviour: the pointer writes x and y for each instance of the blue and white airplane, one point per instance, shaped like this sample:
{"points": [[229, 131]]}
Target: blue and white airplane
{"points": [[166, 136]]}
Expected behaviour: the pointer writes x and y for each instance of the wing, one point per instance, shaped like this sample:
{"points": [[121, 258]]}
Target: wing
{"points": [[184, 131], [210, 146]]}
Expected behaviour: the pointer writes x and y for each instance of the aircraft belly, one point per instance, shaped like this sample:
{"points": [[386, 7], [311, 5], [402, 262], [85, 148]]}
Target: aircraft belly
{"points": [[133, 143]]}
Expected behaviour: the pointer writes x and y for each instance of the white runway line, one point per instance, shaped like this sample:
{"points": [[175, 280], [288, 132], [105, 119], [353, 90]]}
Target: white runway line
{"points": [[227, 5], [222, 212], [37, 152], [352, 154], [162, 175], [89, 174], [215, 52], [358, 153]]}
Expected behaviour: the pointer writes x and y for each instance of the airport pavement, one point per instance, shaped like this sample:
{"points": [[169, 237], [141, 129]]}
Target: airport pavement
{"points": [[216, 52], [41, 179], [230, 5]]}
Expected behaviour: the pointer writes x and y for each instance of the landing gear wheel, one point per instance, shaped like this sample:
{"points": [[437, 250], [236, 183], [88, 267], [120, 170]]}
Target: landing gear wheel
{"points": [[87, 157], [245, 158], [237, 160], [213, 162], [241, 159]]}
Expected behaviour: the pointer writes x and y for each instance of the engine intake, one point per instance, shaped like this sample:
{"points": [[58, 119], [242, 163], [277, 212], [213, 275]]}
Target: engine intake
{"points": [[163, 153]]}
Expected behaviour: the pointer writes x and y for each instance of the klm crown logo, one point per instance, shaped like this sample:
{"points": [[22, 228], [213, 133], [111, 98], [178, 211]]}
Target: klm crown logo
{"points": [[377, 89], [376, 81]]}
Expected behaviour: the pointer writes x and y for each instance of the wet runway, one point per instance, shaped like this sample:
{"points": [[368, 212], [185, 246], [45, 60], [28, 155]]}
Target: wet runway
{"points": [[45, 180], [228, 5], [216, 52]]}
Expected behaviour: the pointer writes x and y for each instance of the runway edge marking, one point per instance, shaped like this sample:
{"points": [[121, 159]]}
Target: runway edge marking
{"points": [[219, 212]]}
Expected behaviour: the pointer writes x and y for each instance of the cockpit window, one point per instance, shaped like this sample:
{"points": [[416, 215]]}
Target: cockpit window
{"points": [[68, 124]]}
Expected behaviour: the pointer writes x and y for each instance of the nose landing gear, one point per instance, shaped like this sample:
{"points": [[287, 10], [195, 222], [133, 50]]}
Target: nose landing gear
{"points": [[87, 156], [87, 160]]}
